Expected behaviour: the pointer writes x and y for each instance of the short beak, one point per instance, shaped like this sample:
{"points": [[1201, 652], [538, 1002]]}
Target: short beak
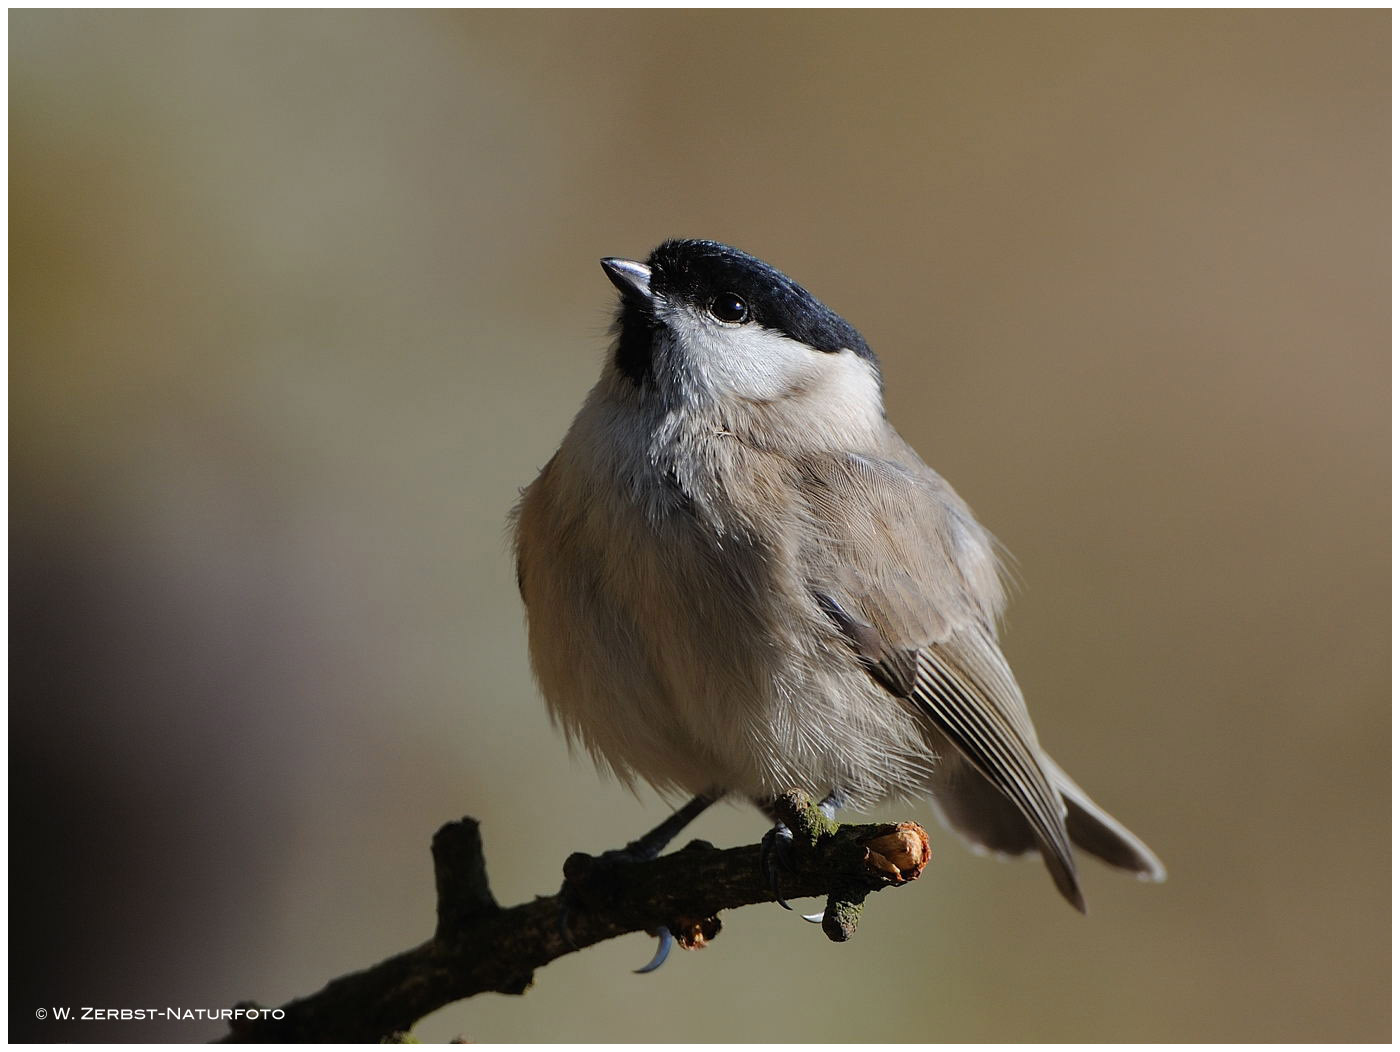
{"points": [[632, 279]]}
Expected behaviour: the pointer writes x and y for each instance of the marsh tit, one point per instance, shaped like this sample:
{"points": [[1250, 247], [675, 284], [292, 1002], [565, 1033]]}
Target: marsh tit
{"points": [[739, 579]]}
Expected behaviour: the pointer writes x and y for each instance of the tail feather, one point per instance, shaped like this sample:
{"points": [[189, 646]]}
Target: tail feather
{"points": [[1099, 833], [984, 816]]}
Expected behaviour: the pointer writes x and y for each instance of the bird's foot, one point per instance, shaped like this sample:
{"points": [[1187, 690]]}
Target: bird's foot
{"points": [[778, 850], [586, 878]]}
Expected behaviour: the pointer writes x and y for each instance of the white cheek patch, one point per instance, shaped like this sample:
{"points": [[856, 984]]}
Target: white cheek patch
{"points": [[851, 389], [829, 397], [742, 361]]}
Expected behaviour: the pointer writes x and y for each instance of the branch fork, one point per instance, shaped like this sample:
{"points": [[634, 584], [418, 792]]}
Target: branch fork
{"points": [[479, 946]]}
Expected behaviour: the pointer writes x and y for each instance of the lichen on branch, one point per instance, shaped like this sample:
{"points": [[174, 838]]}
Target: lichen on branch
{"points": [[479, 946]]}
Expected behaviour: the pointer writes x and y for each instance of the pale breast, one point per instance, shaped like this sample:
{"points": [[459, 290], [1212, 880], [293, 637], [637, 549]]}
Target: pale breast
{"points": [[681, 645]]}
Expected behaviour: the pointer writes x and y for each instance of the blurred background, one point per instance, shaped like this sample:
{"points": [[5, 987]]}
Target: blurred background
{"points": [[299, 301]]}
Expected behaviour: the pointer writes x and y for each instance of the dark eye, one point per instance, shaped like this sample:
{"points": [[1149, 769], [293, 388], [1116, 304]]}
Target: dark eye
{"points": [[729, 307]]}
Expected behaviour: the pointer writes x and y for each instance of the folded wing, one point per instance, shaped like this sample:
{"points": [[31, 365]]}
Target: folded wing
{"points": [[901, 567]]}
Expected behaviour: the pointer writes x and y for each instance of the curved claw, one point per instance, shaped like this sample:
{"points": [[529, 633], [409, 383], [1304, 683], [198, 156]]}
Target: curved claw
{"points": [[814, 918], [777, 895], [664, 941]]}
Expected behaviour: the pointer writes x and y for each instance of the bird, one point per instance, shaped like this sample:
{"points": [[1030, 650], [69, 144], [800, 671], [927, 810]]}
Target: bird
{"points": [[739, 579]]}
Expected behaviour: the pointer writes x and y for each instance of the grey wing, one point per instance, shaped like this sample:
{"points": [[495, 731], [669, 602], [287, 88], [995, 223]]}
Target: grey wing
{"points": [[901, 567]]}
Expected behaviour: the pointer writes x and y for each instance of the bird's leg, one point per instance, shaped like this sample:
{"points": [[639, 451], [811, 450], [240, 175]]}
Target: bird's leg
{"points": [[645, 848], [776, 848], [650, 844]]}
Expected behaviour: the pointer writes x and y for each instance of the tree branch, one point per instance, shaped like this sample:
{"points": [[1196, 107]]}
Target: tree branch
{"points": [[479, 946]]}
